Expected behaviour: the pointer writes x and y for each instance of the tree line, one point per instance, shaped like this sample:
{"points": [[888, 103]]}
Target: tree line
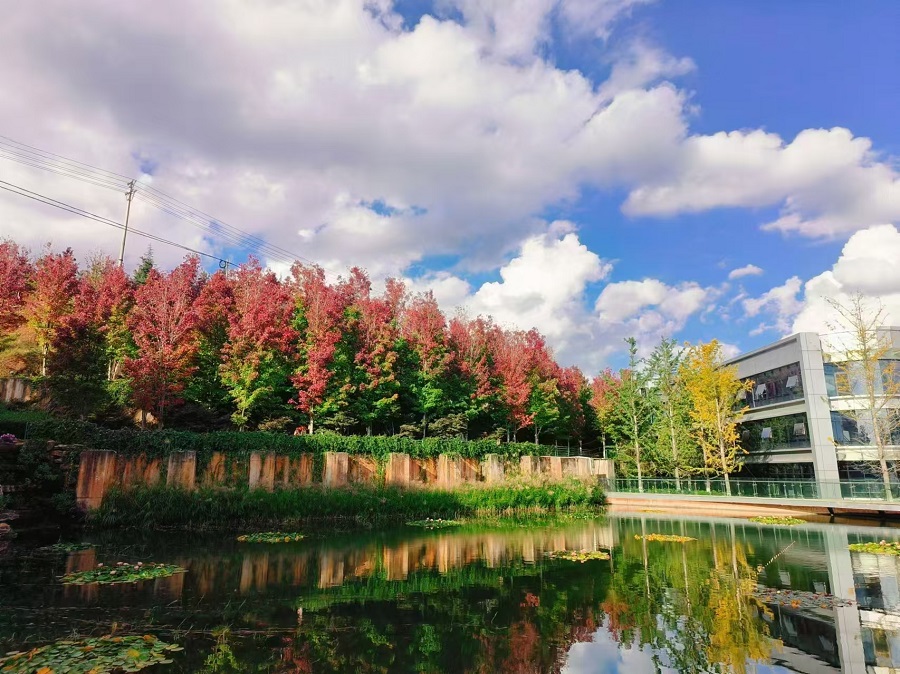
{"points": [[259, 352]]}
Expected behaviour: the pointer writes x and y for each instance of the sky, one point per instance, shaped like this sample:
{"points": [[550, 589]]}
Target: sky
{"points": [[596, 169]]}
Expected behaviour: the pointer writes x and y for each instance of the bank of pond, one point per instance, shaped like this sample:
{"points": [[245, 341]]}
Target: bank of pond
{"points": [[572, 593]]}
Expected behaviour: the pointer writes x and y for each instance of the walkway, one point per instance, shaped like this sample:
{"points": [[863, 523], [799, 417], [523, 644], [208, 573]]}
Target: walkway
{"points": [[798, 496]]}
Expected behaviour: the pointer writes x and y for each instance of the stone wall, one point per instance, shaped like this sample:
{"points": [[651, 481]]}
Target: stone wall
{"points": [[16, 390], [100, 471]]}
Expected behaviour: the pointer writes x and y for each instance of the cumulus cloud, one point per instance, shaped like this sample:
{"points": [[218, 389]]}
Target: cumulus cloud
{"points": [[746, 270], [781, 302], [293, 120], [827, 182], [868, 265], [551, 284]]}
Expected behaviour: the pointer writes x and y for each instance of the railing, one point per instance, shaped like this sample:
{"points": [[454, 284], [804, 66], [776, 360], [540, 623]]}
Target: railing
{"points": [[863, 490]]}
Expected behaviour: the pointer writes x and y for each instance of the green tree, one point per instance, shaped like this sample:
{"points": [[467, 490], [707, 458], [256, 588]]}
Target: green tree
{"points": [[543, 406], [633, 414], [672, 423]]}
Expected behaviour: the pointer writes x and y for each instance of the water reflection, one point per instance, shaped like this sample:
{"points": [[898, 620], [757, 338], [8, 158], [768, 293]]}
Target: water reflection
{"points": [[741, 598]]}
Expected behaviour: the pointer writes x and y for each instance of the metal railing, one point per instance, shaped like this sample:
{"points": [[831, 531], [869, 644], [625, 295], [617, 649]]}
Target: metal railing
{"points": [[862, 490]]}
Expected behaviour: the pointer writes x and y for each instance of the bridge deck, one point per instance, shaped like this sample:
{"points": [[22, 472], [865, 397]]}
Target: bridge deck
{"points": [[797, 504]]}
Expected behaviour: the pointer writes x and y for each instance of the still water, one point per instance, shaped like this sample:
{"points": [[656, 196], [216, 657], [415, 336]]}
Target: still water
{"points": [[743, 597]]}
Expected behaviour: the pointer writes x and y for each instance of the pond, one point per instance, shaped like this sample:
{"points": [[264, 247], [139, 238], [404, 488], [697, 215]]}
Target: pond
{"points": [[742, 597]]}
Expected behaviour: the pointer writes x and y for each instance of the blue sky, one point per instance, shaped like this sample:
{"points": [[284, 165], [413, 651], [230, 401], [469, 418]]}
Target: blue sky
{"points": [[594, 168]]}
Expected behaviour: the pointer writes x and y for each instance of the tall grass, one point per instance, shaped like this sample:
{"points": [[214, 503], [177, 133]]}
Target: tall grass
{"points": [[362, 505]]}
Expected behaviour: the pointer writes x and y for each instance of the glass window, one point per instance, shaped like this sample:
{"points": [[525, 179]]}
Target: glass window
{"points": [[775, 386], [789, 431]]}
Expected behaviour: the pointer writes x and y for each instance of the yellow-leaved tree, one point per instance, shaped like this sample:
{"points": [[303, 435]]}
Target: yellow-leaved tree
{"points": [[715, 409]]}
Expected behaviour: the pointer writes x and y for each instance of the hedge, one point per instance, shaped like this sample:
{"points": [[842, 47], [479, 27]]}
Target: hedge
{"points": [[163, 442]]}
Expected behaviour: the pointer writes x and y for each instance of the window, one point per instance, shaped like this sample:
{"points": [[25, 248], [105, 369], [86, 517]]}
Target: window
{"points": [[774, 386], [787, 432]]}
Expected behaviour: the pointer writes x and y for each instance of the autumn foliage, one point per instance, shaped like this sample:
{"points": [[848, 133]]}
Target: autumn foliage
{"points": [[299, 354]]}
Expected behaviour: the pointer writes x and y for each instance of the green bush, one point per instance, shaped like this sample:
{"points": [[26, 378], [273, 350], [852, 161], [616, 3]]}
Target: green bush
{"points": [[162, 442], [366, 505]]}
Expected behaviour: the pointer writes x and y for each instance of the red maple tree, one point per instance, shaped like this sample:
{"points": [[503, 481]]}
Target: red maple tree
{"points": [[260, 336], [15, 275], [320, 312], [164, 324], [52, 298]]}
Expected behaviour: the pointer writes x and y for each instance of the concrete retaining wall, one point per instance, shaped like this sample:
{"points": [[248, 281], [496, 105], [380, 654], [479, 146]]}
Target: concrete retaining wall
{"points": [[100, 471], [16, 390]]}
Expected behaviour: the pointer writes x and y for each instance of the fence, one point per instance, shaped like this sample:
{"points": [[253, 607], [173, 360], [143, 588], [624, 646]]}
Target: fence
{"points": [[862, 490]]}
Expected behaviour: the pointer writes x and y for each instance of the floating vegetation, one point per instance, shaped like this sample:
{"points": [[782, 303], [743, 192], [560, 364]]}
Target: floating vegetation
{"points": [[880, 548], [664, 538], [270, 537], [578, 555], [99, 655], [800, 599], [430, 523], [781, 521], [122, 572], [60, 548]]}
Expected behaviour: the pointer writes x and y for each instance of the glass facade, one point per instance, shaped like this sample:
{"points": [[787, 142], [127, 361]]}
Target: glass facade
{"points": [[787, 432], [842, 379], [775, 386], [777, 471], [857, 430]]}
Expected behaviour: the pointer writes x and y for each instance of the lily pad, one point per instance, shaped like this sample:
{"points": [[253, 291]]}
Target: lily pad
{"points": [[781, 521], [879, 548], [270, 537], [122, 572], [434, 523], [61, 548], [578, 555], [664, 538], [99, 654]]}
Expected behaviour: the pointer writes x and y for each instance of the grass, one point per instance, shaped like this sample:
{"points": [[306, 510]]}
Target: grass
{"points": [[359, 505]]}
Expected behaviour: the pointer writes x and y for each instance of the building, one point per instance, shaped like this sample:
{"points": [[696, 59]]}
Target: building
{"points": [[797, 426]]}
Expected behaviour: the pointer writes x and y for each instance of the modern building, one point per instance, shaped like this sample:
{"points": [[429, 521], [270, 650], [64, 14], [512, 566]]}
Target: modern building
{"points": [[797, 425]]}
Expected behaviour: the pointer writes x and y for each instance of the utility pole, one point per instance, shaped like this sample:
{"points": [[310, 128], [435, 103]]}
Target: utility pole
{"points": [[129, 195]]}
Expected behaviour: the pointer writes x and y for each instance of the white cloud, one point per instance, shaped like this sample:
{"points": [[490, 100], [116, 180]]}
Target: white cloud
{"points": [[827, 182], [867, 264], [746, 270], [781, 302]]}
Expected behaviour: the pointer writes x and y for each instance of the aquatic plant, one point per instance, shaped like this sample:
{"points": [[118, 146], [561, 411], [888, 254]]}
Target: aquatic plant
{"points": [[781, 521], [879, 548], [99, 655], [665, 538], [429, 523], [270, 537], [60, 548], [801, 599], [121, 572], [578, 555]]}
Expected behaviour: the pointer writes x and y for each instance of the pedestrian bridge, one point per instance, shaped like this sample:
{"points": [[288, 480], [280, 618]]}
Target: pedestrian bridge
{"points": [[851, 497]]}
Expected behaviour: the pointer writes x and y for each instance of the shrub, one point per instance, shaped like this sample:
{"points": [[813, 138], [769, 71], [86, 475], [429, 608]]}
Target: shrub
{"points": [[163, 442]]}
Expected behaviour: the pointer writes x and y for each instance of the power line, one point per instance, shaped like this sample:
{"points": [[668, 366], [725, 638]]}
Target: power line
{"points": [[41, 198], [28, 155]]}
